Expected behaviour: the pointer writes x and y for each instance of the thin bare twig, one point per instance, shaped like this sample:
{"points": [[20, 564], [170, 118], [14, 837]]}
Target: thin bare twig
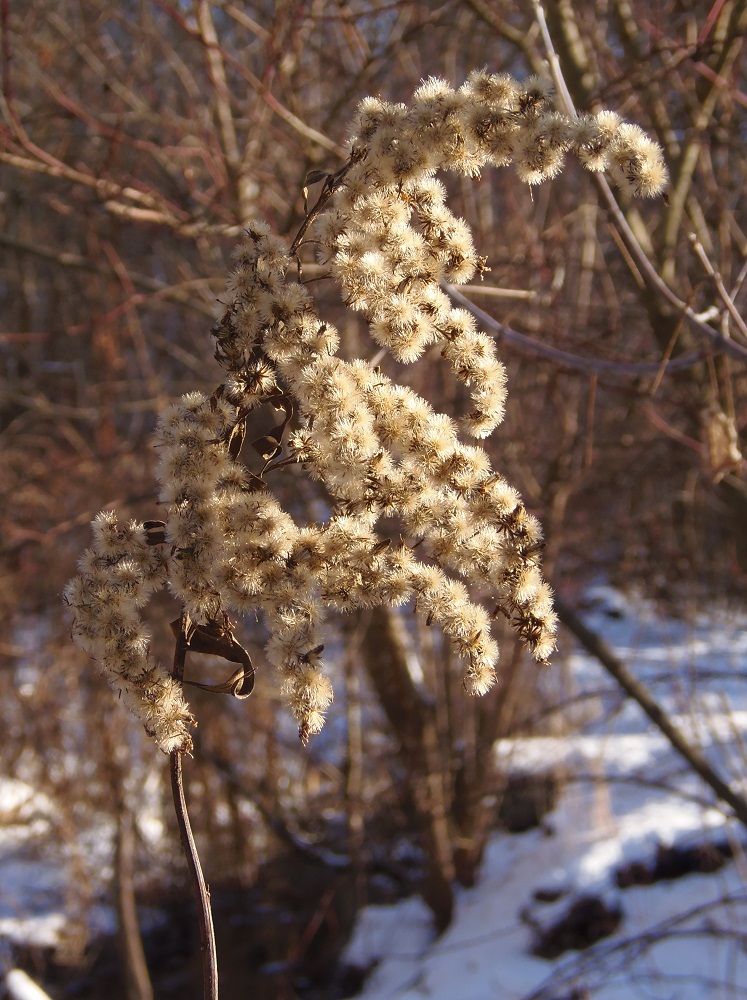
{"points": [[719, 283], [591, 366], [270, 100], [717, 340]]}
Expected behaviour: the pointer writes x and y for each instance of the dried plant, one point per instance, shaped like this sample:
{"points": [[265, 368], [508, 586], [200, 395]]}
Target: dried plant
{"points": [[462, 542]]}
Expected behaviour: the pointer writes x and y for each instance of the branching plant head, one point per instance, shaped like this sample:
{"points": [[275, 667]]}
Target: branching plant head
{"points": [[465, 543]]}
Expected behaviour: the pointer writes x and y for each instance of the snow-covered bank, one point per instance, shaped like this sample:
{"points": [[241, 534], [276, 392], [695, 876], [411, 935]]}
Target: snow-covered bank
{"points": [[631, 811], [601, 868]]}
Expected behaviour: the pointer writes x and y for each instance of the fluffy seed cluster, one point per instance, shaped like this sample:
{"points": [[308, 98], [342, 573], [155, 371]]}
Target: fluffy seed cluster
{"points": [[118, 574], [226, 546]]}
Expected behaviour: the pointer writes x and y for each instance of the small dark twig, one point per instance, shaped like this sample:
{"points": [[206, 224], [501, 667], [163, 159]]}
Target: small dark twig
{"points": [[331, 184], [201, 891]]}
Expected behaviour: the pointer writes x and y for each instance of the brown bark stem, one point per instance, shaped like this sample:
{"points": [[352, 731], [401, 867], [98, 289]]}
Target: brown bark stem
{"points": [[137, 980], [411, 718]]}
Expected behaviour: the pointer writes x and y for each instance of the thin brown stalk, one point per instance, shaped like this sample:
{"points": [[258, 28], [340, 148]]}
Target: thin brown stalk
{"points": [[200, 889]]}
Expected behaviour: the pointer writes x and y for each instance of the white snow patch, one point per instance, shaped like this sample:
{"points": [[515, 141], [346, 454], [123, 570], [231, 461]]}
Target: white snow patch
{"points": [[627, 794]]}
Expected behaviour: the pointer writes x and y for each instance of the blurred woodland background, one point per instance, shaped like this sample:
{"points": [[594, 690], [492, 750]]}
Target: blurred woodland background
{"points": [[136, 140]]}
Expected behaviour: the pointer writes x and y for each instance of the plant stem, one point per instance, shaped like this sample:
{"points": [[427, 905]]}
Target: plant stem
{"points": [[201, 891]]}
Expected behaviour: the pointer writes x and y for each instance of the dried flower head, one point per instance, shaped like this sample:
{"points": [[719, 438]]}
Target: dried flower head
{"points": [[225, 545]]}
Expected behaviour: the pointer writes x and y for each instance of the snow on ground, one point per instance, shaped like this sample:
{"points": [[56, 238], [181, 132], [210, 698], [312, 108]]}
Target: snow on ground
{"points": [[627, 795], [30, 886]]}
